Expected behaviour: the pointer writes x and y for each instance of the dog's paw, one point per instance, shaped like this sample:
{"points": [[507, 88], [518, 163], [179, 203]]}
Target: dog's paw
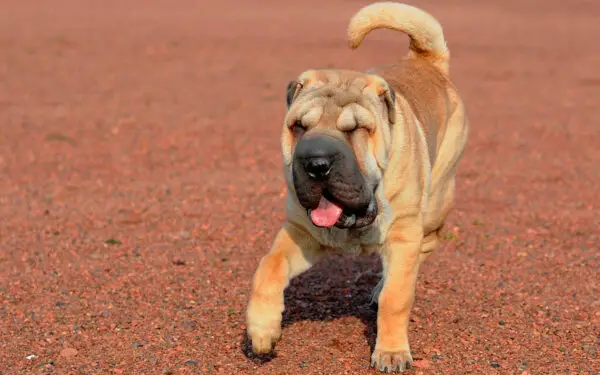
{"points": [[263, 339], [391, 361]]}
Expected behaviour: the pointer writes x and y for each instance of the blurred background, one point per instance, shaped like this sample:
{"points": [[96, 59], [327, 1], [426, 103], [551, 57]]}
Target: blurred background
{"points": [[140, 183]]}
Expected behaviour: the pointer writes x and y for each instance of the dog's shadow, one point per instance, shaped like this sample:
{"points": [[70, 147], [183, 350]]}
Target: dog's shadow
{"points": [[338, 286]]}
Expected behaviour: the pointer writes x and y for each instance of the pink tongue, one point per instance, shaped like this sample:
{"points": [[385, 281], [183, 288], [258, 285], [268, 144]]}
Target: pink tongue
{"points": [[327, 214]]}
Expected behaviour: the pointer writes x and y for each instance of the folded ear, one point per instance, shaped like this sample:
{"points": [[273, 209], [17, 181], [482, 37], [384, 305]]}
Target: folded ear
{"points": [[293, 89], [386, 94], [389, 98]]}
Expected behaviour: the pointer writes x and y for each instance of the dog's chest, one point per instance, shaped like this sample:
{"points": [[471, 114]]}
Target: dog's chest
{"points": [[352, 242]]}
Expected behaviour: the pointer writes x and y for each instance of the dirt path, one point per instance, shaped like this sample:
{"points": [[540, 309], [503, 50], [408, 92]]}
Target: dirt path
{"points": [[140, 183]]}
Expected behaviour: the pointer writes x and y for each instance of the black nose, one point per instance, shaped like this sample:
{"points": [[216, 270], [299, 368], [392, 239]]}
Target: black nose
{"points": [[318, 168]]}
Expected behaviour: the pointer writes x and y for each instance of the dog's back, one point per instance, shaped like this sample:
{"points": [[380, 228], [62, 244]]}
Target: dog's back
{"points": [[427, 92]]}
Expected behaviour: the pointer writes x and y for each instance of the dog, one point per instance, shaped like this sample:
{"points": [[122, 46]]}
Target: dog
{"points": [[370, 161]]}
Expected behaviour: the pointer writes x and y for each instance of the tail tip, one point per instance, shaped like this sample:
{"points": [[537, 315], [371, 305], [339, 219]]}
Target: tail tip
{"points": [[354, 35], [353, 43]]}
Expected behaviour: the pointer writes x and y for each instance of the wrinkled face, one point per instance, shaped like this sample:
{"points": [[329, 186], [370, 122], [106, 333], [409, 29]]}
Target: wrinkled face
{"points": [[335, 140]]}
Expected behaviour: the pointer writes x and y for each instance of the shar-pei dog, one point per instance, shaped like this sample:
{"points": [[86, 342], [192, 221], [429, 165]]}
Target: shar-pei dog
{"points": [[370, 161]]}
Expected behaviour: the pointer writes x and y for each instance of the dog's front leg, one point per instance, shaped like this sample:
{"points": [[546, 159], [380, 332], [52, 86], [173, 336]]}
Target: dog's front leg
{"points": [[400, 258], [293, 252]]}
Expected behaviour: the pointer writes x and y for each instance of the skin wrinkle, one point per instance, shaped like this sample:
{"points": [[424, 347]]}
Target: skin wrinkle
{"points": [[312, 117], [347, 119]]}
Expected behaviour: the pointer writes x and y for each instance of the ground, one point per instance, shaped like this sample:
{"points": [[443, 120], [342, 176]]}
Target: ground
{"points": [[140, 183]]}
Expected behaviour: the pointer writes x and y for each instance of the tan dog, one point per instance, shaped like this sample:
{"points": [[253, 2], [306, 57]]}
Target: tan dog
{"points": [[370, 164]]}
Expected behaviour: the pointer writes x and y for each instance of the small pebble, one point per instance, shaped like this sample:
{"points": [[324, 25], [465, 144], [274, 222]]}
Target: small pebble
{"points": [[495, 365], [191, 363], [68, 352], [422, 364]]}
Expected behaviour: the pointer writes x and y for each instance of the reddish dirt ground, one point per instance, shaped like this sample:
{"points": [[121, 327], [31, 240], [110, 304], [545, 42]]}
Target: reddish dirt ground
{"points": [[140, 183]]}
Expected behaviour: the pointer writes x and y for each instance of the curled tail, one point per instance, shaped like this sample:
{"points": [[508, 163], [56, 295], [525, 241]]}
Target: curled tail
{"points": [[425, 32]]}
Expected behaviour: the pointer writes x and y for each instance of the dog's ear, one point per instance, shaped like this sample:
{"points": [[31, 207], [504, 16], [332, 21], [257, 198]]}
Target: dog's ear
{"points": [[388, 96], [293, 88]]}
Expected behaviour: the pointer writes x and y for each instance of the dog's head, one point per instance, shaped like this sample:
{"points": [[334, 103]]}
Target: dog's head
{"points": [[335, 143]]}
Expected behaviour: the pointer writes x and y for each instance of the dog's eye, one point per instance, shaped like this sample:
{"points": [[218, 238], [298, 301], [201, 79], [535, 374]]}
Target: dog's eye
{"points": [[298, 129]]}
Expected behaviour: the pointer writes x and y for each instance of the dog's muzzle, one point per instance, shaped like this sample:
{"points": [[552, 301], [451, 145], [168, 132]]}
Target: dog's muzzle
{"points": [[330, 184]]}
